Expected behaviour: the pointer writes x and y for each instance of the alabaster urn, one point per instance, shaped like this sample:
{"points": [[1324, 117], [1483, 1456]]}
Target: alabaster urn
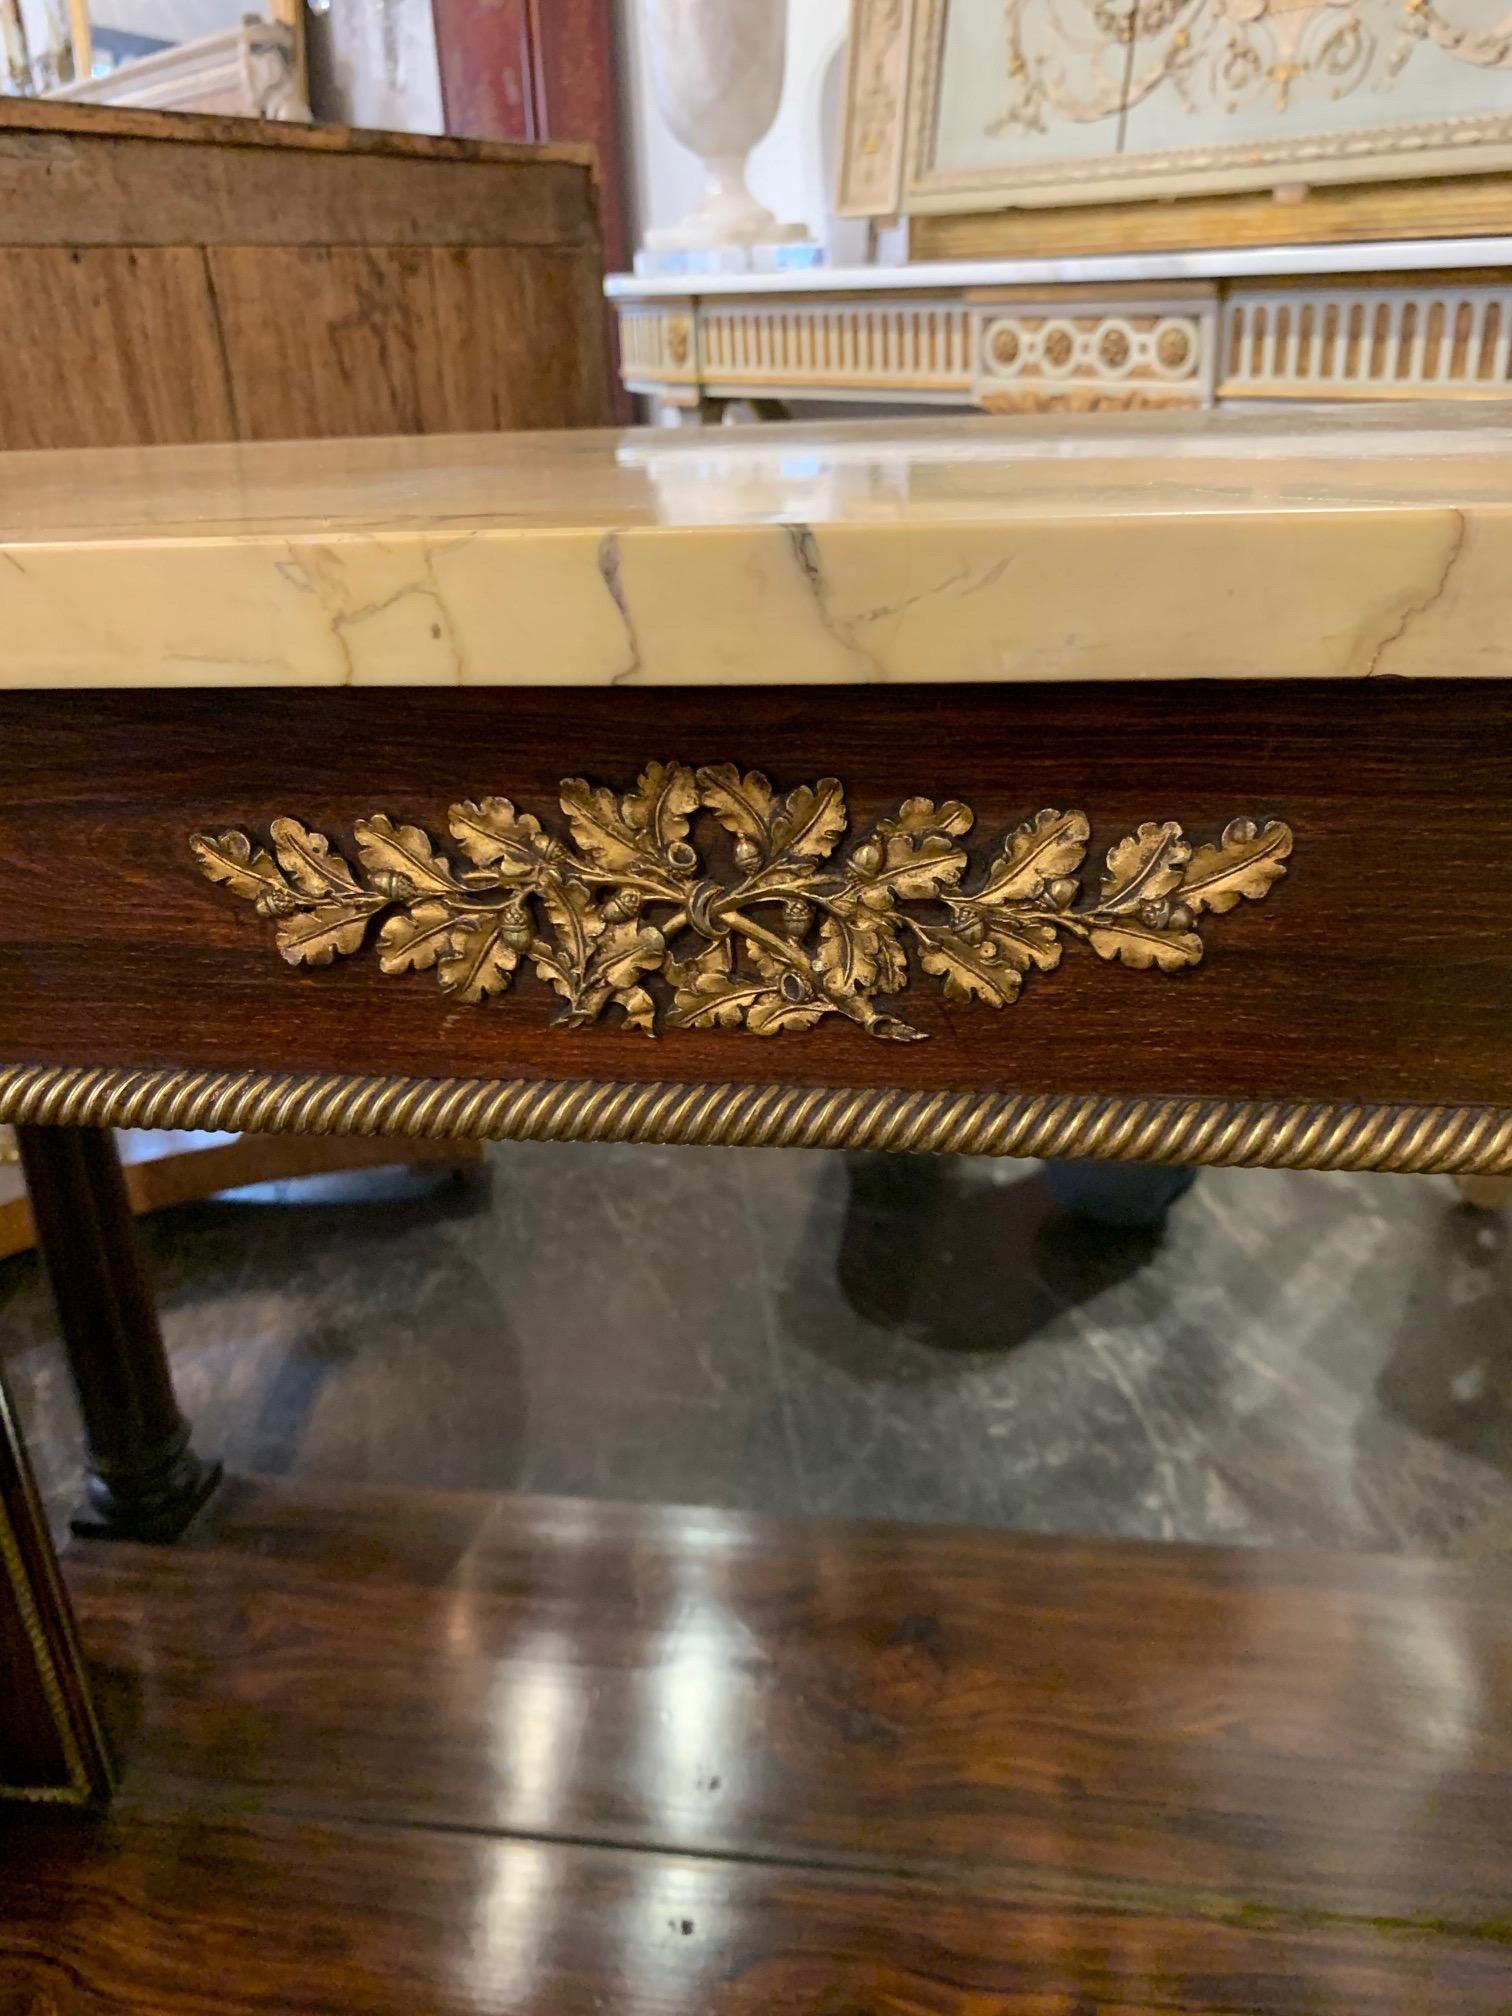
{"points": [[718, 66]]}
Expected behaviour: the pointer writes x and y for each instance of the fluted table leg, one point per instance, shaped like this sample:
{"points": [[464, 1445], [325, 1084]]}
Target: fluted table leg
{"points": [[145, 1482]]}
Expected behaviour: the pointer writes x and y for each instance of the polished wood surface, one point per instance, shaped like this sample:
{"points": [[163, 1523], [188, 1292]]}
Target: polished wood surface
{"points": [[1147, 1714], [51, 1747], [1359, 978], [387, 1752], [311, 1919]]}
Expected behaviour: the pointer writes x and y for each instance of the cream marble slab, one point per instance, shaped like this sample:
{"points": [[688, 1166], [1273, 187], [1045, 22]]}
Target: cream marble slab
{"points": [[1235, 262], [1125, 547]]}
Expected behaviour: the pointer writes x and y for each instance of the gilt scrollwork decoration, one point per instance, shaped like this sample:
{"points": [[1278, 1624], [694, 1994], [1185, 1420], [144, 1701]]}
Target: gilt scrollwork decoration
{"points": [[1083, 61], [741, 903]]}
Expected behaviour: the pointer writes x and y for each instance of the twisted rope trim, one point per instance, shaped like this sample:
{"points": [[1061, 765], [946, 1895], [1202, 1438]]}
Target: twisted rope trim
{"points": [[1459, 1140]]}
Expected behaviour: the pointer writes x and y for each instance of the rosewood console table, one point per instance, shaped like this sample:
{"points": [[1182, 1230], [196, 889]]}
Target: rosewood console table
{"points": [[1139, 790]]}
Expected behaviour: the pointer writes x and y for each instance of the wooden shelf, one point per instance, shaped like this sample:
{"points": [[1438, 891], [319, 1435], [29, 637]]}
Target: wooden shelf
{"points": [[389, 1751]]}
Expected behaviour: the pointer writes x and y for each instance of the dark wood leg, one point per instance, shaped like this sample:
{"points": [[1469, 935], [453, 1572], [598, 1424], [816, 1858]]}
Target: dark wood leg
{"points": [[145, 1482], [51, 1750]]}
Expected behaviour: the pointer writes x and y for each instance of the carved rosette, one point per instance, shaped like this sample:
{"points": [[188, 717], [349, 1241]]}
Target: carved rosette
{"points": [[1088, 361], [739, 904]]}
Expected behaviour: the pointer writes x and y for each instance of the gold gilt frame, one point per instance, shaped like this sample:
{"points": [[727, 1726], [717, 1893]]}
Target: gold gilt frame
{"points": [[50, 1636], [890, 146]]}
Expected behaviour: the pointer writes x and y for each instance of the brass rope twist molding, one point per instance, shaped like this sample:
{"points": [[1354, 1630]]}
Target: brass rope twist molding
{"points": [[1453, 1140], [784, 930]]}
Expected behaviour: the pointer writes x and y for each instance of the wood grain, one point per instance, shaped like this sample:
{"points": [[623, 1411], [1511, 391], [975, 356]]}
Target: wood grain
{"points": [[34, 115], [404, 339], [1213, 1735], [1449, 206], [388, 340], [79, 189], [59, 309], [539, 70], [1379, 969], [543, 70], [341, 286], [179, 1916], [390, 1751]]}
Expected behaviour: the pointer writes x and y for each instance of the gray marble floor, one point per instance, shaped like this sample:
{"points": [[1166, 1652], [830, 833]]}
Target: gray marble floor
{"points": [[1295, 1358]]}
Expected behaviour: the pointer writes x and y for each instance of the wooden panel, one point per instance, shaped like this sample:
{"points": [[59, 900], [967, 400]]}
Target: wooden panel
{"points": [[538, 70], [50, 1746], [1380, 968], [578, 62], [1218, 1735], [81, 363], [490, 81], [521, 70], [321, 1920], [1453, 206], [211, 182], [32, 115], [341, 285], [408, 340], [520, 340], [387, 340]]}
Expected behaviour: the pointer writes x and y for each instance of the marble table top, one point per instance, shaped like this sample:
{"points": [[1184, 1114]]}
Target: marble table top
{"points": [[1115, 547], [926, 276]]}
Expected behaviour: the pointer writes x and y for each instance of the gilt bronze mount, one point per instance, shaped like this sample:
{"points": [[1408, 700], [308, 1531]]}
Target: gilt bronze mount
{"points": [[787, 928]]}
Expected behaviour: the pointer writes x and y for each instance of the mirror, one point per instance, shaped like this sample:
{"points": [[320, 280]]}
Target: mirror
{"points": [[170, 55]]}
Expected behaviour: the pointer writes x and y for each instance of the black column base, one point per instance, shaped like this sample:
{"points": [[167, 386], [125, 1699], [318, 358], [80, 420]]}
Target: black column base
{"points": [[154, 1502]]}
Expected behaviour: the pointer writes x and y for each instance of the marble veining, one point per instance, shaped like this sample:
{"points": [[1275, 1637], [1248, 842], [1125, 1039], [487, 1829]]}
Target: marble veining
{"points": [[1123, 548]]}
